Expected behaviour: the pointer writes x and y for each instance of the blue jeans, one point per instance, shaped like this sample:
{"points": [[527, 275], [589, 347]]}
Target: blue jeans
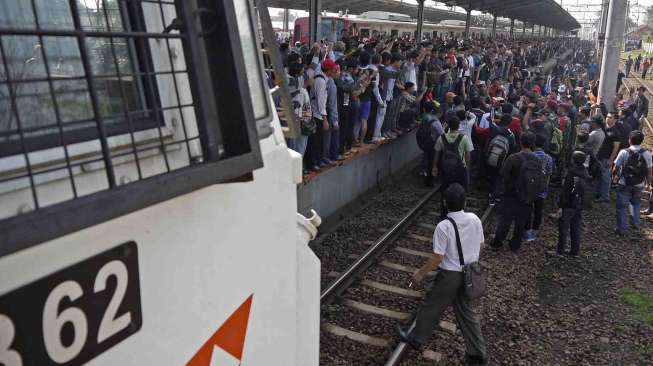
{"points": [[627, 195], [604, 181]]}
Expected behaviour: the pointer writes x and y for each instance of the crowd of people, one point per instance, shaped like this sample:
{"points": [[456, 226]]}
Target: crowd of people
{"points": [[516, 118]]}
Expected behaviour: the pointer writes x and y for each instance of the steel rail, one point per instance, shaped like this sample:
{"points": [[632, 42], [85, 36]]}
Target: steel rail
{"points": [[361, 264], [403, 347]]}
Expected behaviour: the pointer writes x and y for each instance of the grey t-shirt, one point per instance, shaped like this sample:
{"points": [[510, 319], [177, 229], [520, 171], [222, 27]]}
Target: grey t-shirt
{"points": [[595, 141]]}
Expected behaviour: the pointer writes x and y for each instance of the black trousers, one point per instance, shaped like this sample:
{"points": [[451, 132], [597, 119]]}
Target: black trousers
{"points": [[346, 129], [511, 210], [314, 148], [430, 160], [569, 224], [535, 215]]}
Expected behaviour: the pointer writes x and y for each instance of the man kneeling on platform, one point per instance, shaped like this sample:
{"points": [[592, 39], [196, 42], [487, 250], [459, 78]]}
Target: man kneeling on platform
{"points": [[446, 288]]}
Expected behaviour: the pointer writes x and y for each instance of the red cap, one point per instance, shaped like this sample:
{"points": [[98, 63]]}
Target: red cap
{"points": [[328, 64]]}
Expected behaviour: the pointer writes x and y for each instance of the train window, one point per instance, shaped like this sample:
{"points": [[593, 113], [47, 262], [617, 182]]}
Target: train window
{"points": [[365, 32], [394, 33], [99, 115]]}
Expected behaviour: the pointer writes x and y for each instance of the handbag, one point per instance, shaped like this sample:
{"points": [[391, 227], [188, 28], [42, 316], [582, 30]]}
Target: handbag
{"points": [[474, 284]]}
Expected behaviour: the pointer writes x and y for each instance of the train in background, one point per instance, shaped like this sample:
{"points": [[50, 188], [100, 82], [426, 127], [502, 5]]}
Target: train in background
{"points": [[372, 23]]}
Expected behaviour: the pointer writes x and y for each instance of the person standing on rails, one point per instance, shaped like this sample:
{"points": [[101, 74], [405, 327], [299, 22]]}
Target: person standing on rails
{"points": [[447, 286], [523, 179], [574, 188], [629, 64], [645, 66], [631, 170], [641, 104], [452, 156]]}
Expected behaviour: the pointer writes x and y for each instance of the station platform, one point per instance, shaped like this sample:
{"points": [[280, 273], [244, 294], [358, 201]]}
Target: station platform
{"points": [[334, 190]]}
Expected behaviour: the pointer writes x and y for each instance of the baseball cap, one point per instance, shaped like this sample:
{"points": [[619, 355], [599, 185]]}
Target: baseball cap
{"points": [[328, 64]]}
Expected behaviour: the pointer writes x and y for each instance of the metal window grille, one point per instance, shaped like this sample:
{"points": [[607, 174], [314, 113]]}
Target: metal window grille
{"points": [[95, 95]]}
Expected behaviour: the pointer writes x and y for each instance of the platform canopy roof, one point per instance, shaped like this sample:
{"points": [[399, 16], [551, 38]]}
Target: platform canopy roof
{"points": [[547, 13], [542, 12]]}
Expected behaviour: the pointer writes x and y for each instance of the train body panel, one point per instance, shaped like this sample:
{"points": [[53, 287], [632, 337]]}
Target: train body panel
{"points": [[219, 275], [372, 23]]}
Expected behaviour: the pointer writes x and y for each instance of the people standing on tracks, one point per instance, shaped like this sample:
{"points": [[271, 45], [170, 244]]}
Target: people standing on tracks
{"points": [[452, 156], [534, 219], [629, 64], [446, 288], [641, 103], [606, 157], [638, 62], [522, 180], [632, 170], [570, 201], [428, 133], [645, 66]]}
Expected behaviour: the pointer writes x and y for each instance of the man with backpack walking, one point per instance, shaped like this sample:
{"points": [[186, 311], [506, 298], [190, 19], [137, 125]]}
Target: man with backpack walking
{"points": [[632, 170], [452, 155], [535, 213], [430, 129], [571, 200], [522, 180]]}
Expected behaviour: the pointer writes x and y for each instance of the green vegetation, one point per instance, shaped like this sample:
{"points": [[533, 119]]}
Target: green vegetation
{"points": [[642, 303]]}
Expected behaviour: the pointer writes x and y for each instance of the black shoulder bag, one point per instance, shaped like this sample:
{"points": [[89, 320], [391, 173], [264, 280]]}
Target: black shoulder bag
{"points": [[474, 278]]}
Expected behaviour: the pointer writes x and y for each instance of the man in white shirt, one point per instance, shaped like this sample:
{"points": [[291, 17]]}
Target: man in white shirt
{"points": [[447, 284], [632, 178]]}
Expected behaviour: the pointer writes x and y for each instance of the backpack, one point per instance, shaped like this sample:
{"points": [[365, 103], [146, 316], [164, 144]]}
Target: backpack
{"points": [[634, 171], [426, 135], [575, 194], [452, 167], [531, 180], [497, 150], [304, 114], [555, 146]]}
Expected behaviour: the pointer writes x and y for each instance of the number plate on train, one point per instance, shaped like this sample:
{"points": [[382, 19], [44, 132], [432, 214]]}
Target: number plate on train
{"points": [[71, 316]]}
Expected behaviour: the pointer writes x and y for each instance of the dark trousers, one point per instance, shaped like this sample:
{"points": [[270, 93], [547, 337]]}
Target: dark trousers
{"points": [[445, 291], [569, 224], [511, 210], [346, 134], [644, 73], [429, 156], [334, 151], [314, 149], [535, 215]]}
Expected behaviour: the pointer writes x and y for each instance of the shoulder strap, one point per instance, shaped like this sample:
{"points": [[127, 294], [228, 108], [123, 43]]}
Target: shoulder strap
{"points": [[458, 244], [458, 139], [445, 142]]}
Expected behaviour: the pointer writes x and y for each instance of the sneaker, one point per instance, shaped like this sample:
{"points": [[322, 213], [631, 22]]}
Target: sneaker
{"points": [[408, 339], [340, 158], [378, 140], [527, 235], [533, 235], [648, 212]]}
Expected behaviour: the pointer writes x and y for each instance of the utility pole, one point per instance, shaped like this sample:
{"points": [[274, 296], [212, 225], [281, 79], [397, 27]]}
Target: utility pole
{"points": [[612, 51]]}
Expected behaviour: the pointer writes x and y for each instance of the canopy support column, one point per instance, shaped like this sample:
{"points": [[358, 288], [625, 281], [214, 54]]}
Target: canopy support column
{"points": [[612, 51], [420, 19], [286, 20], [512, 28], [468, 20], [314, 17], [523, 29], [533, 31], [494, 27]]}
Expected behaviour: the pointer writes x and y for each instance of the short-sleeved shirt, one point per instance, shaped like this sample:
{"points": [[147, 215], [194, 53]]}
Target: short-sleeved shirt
{"points": [[470, 230], [548, 168], [612, 135], [623, 156], [464, 147], [595, 141]]}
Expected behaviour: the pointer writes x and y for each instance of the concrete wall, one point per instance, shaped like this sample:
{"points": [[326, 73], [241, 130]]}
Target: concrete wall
{"points": [[334, 189]]}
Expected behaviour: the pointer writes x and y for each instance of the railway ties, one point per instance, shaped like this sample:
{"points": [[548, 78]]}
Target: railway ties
{"points": [[365, 303]]}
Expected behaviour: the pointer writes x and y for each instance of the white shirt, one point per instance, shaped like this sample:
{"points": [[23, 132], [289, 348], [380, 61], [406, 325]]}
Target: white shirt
{"points": [[470, 230], [410, 74], [470, 64], [467, 125]]}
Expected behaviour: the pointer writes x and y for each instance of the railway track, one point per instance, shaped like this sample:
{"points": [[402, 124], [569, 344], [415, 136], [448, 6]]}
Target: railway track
{"points": [[363, 304]]}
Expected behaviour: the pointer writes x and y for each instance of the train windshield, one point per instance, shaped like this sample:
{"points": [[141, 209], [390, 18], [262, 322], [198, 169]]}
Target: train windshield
{"points": [[331, 29]]}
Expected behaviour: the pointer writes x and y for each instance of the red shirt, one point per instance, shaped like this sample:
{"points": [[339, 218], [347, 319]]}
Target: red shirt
{"points": [[563, 123], [515, 127]]}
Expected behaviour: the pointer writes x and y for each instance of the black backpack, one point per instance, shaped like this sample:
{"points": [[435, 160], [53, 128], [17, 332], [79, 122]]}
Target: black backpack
{"points": [[634, 172], [426, 135], [531, 180], [451, 165], [575, 193]]}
